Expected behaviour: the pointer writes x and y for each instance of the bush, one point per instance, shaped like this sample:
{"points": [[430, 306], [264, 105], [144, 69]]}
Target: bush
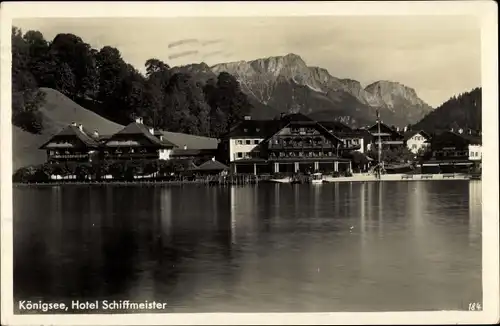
{"points": [[24, 175], [335, 174], [31, 121]]}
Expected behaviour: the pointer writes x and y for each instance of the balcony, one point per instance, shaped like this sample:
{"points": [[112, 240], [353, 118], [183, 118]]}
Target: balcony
{"points": [[298, 145], [132, 155]]}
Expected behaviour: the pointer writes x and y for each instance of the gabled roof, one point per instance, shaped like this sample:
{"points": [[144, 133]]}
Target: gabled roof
{"points": [[472, 139], [74, 131], [296, 117], [212, 165], [135, 129], [335, 126], [408, 134], [191, 152], [465, 138], [382, 126], [264, 128], [255, 128]]}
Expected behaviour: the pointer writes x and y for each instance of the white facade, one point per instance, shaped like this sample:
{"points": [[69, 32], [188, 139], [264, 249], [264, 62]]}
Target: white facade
{"points": [[475, 152], [416, 142], [239, 148], [164, 154]]}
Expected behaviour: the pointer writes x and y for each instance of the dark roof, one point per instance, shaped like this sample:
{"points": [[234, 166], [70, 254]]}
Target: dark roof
{"points": [[296, 117], [212, 165], [135, 128], [335, 126], [353, 133], [83, 135], [382, 127], [472, 139], [191, 152], [264, 128], [255, 128]]}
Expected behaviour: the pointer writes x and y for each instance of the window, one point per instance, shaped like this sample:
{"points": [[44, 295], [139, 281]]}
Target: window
{"points": [[256, 142], [239, 155], [248, 142], [414, 146], [239, 142]]}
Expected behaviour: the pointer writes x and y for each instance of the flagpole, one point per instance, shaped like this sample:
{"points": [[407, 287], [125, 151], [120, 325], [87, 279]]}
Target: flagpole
{"points": [[379, 145]]}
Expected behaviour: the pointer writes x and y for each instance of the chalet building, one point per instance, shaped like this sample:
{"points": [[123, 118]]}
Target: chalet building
{"points": [[453, 152], [73, 143], [294, 143], [136, 141], [416, 140], [359, 139], [389, 137]]}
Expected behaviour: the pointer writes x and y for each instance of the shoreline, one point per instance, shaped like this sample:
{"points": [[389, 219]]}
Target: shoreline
{"points": [[328, 179]]}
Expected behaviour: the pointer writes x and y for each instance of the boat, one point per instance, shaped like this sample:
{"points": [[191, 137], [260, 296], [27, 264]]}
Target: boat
{"points": [[316, 178]]}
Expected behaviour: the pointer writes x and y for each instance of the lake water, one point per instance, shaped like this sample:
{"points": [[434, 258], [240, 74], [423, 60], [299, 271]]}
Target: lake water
{"points": [[268, 248]]}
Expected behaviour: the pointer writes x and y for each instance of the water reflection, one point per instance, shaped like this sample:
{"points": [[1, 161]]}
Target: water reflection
{"points": [[475, 209], [340, 247]]}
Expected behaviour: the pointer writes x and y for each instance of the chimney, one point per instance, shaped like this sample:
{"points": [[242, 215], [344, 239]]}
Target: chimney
{"points": [[73, 124], [397, 129], [96, 134], [80, 126], [282, 115], [451, 129], [213, 158], [138, 120], [470, 131], [151, 130], [161, 137], [185, 147], [405, 129], [247, 117]]}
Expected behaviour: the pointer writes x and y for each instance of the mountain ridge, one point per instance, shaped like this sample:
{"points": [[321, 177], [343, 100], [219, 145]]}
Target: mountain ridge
{"points": [[266, 79]]}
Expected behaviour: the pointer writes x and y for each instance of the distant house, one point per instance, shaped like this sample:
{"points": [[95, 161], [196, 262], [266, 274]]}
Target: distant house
{"points": [[416, 140], [357, 139], [136, 141], [454, 151], [212, 167], [389, 137], [73, 143], [195, 155], [293, 143]]}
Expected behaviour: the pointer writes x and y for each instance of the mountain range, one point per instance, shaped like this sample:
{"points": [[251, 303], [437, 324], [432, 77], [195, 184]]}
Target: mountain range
{"points": [[287, 84]]}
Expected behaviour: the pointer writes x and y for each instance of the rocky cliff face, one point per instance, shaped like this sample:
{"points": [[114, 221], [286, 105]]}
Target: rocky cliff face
{"points": [[287, 83], [400, 99]]}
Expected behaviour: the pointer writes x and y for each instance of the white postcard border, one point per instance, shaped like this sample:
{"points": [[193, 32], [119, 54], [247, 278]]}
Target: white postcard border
{"points": [[486, 11]]}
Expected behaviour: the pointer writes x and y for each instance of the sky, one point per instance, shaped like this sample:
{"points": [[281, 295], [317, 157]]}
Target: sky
{"points": [[438, 56]]}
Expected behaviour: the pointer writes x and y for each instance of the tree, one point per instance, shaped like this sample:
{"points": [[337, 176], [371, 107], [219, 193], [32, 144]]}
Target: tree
{"points": [[155, 67], [65, 80], [112, 70], [70, 49], [26, 98]]}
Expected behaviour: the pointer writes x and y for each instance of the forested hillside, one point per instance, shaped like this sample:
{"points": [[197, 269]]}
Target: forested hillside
{"points": [[462, 111], [100, 80]]}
